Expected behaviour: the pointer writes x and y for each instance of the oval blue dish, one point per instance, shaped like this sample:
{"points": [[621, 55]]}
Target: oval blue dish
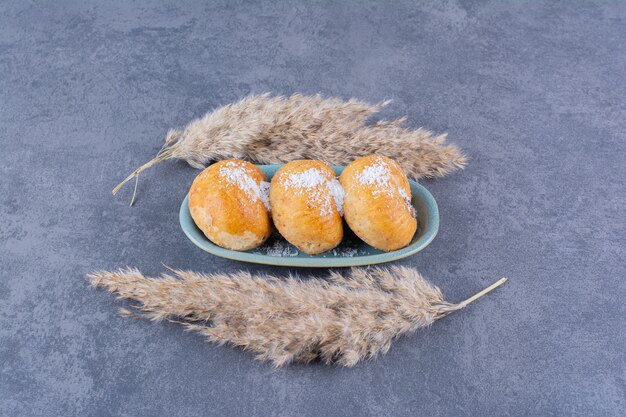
{"points": [[351, 252]]}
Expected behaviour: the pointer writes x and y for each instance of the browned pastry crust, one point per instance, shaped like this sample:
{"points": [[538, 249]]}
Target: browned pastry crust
{"points": [[306, 200], [377, 204], [228, 202]]}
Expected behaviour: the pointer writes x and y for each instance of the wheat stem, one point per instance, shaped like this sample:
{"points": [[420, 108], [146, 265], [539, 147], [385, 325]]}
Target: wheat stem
{"points": [[351, 317], [332, 130], [161, 156], [483, 292], [442, 310], [132, 200]]}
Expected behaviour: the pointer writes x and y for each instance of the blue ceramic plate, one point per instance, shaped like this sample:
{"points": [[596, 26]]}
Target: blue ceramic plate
{"points": [[352, 251]]}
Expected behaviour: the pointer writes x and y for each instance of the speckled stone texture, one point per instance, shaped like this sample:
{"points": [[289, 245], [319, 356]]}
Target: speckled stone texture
{"points": [[534, 92]]}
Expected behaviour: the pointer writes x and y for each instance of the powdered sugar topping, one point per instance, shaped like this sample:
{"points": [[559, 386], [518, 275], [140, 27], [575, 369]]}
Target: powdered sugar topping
{"points": [[281, 249], [264, 188], [276, 246], [407, 201], [321, 191], [378, 174], [241, 177], [310, 178], [336, 190]]}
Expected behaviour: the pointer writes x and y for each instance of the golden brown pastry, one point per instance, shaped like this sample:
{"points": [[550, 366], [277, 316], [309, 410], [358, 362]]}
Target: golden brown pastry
{"points": [[229, 202], [307, 202], [377, 202]]}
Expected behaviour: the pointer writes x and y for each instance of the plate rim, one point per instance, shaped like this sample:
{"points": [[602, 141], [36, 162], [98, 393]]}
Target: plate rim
{"points": [[428, 236]]}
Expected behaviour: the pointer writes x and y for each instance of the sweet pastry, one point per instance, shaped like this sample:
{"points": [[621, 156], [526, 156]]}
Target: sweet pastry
{"points": [[377, 203], [229, 202], [307, 202]]}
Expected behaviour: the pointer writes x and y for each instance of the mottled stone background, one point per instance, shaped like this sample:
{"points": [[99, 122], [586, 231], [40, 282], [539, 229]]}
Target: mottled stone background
{"points": [[533, 91]]}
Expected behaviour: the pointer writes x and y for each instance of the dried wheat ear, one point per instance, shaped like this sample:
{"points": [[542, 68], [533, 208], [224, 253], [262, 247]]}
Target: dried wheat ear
{"points": [[272, 130], [344, 319]]}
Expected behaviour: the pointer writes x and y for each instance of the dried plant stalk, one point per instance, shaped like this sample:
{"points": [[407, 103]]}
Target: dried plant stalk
{"points": [[342, 320], [270, 130]]}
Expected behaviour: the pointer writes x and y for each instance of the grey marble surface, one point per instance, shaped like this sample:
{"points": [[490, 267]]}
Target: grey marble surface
{"points": [[533, 91]]}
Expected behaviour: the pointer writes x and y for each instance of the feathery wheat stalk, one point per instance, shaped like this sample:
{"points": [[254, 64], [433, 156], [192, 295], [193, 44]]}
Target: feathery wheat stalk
{"points": [[344, 319], [270, 130]]}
